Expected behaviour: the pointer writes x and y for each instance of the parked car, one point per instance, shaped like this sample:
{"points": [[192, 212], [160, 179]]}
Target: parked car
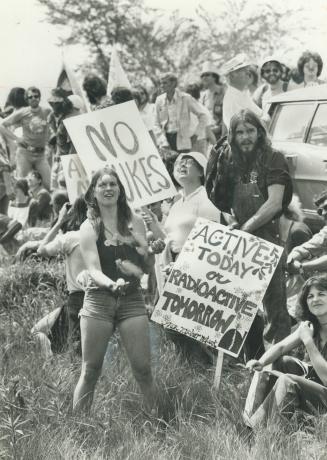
{"points": [[298, 128]]}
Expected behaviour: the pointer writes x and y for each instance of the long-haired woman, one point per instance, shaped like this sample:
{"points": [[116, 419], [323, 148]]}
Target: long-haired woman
{"points": [[294, 384], [114, 248]]}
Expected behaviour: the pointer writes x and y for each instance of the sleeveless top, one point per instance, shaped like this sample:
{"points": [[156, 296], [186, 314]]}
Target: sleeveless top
{"points": [[312, 374], [109, 253]]}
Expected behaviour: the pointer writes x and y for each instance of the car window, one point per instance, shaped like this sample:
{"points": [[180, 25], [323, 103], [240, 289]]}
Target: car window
{"points": [[318, 130], [291, 121]]}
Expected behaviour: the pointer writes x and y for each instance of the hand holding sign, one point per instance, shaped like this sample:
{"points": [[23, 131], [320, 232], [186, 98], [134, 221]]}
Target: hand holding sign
{"points": [[254, 365]]}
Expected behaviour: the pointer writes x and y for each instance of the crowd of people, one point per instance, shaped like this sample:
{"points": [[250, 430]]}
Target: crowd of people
{"points": [[213, 140]]}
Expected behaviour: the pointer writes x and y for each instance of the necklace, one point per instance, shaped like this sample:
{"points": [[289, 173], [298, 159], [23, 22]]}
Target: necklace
{"points": [[113, 237]]}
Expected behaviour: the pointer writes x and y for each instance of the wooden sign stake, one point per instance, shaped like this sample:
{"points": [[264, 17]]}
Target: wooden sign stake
{"points": [[219, 366]]}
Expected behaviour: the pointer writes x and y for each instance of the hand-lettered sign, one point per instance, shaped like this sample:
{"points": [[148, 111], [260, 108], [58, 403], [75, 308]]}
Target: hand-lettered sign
{"points": [[76, 179], [216, 285], [117, 136]]}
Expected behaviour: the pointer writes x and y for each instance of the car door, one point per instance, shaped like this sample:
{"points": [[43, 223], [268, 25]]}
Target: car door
{"points": [[298, 131]]}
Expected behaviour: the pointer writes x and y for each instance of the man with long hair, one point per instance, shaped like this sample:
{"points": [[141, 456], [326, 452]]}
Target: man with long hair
{"points": [[248, 178]]}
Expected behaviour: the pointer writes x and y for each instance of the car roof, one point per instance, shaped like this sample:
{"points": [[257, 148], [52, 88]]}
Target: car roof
{"points": [[310, 93]]}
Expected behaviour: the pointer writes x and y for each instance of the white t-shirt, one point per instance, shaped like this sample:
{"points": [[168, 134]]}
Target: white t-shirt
{"points": [[19, 213], [235, 101], [183, 214], [68, 245]]}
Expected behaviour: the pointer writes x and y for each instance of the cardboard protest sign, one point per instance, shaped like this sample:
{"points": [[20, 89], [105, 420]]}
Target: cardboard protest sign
{"points": [[216, 284], [76, 179], [117, 136]]}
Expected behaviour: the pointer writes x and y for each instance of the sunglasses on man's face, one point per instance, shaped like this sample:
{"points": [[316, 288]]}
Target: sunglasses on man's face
{"points": [[321, 210], [271, 70], [33, 96]]}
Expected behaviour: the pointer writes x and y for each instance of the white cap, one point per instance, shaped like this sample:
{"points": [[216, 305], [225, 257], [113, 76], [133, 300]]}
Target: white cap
{"points": [[269, 59], [208, 67], [238, 62], [198, 157]]}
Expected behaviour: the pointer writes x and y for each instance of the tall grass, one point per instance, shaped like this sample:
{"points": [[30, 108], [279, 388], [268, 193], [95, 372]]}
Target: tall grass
{"points": [[194, 420]]}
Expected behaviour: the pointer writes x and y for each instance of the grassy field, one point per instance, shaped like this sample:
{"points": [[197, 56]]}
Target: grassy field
{"points": [[195, 421]]}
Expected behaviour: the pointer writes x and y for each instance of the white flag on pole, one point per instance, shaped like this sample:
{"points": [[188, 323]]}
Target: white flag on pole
{"points": [[68, 81], [117, 75]]}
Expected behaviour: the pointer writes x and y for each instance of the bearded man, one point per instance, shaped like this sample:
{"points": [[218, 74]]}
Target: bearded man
{"points": [[271, 71], [246, 177]]}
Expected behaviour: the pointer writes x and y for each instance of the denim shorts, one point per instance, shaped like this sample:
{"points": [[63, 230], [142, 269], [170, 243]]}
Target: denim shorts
{"points": [[101, 304]]}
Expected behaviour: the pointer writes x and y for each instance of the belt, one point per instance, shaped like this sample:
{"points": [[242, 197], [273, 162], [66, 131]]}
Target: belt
{"points": [[35, 149], [131, 288]]}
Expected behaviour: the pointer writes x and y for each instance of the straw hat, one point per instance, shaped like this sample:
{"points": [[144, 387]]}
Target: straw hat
{"points": [[238, 62]]}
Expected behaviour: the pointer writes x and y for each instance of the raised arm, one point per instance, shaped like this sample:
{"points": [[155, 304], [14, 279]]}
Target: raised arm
{"points": [[46, 248], [153, 224], [140, 236], [275, 352], [305, 331]]}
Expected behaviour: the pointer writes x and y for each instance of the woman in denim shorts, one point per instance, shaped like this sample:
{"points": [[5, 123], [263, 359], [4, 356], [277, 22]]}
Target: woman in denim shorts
{"points": [[114, 247]]}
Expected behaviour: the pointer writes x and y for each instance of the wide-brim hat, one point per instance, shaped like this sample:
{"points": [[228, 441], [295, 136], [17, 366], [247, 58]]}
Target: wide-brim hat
{"points": [[57, 95], [198, 157], [238, 62], [208, 67]]}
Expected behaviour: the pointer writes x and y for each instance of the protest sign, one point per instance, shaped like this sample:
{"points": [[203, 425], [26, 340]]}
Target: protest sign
{"points": [[216, 285], [117, 136], [117, 75], [76, 179]]}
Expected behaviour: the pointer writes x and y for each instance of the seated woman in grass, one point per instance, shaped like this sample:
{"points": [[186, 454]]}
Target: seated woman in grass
{"points": [[293, 384]]}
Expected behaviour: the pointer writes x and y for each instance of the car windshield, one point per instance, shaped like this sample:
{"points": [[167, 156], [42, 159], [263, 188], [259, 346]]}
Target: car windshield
{"points": [[291, 121]]}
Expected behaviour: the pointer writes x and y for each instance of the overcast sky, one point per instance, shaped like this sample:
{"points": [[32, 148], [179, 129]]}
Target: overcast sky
{"points": [[29, 55]]}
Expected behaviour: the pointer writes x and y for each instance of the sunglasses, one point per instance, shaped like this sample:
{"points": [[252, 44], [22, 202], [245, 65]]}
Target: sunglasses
{"points": [[322, 209], [34, 96], [206, 74], [271, 70]]}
